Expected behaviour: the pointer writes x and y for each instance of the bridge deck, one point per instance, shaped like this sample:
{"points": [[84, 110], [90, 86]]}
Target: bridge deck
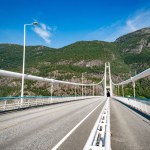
{"points": [[77, 140], [44, 127], [130, 131]]}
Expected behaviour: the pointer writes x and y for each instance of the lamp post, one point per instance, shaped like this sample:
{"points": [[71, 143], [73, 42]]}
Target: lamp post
{"points": [[82, 82], [52, 92], [118, 90], [85, 90], [134, 89], [23, 67], [75, 92], [93, 88], [75, 89], [122, 90]]}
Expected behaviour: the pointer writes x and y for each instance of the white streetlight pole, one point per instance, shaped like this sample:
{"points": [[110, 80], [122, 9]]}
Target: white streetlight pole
{"points": [[134, 89], [93, 89], [75, 89], [122, 90], [118, 90], [23, 67], [51, 92], [75, 92], [85, 90], [82, 82]]}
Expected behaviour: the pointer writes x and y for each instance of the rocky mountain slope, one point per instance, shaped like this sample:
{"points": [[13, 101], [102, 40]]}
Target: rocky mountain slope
{"points": [[135, 49]]}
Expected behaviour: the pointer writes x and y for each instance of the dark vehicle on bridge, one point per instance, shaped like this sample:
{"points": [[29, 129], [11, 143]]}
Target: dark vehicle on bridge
{"points": [[108, 94]]}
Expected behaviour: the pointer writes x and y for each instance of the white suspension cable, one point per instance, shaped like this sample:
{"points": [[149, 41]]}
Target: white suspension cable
{"points": [[36, 78], [134, 78]]}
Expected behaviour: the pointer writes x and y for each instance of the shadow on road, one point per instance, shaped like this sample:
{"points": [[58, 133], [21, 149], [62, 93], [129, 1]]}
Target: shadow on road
{"points": [[136, 110]]}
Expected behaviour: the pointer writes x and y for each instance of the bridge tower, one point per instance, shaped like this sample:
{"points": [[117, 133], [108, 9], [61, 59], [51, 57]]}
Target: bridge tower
{"points": [[107, 80]]}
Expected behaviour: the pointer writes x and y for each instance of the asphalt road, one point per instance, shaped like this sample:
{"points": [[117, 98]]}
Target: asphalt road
{"points": [[42, 128], [130, 131]]}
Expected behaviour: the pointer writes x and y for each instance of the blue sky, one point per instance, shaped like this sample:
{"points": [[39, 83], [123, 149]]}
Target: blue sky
{"points": [[62, 22]]}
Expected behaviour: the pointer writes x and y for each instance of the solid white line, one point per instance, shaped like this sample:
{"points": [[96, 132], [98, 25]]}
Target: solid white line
{"points": [[67, 135]]}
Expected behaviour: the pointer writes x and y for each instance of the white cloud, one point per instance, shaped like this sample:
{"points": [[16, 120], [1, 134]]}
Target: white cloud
{"points": [[119, 28], [43, 26], [130, 24], [44, 31], [140, 20]]}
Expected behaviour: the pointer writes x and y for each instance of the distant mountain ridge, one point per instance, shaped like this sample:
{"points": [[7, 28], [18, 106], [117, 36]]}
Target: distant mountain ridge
{"points": [[127, 54]]}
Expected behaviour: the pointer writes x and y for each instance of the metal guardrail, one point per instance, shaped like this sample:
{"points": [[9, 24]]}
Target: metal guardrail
{"points": [[29, 101], [135, 104], [10, 104], [136, 77], [99, 138]]}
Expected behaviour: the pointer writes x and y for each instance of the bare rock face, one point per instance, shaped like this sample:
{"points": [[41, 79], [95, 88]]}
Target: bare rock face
{"points": [[148, 45], [142, 44], [145, 32], [12, 84], [39, 48], [136, 41], [33, 70], [91, 63], [64, 62], [137, 50]]}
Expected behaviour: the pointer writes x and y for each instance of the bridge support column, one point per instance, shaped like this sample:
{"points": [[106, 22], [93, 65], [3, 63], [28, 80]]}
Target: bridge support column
{"points": [[109, 86]]}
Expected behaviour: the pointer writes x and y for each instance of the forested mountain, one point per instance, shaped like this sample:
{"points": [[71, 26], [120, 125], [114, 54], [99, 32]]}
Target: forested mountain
{"points": [[128, 55]]}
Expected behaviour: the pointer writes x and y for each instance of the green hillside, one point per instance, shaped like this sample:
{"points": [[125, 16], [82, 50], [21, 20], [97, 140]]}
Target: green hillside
{"points": [[40, 56], [127, 54]]}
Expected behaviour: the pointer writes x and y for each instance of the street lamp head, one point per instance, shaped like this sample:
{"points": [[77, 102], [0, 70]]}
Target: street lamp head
{"points": [[35, 23]]}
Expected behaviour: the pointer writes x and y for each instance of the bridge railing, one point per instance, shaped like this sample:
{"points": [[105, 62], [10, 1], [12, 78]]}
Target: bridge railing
{"points": [[14, 103], [145, 108], [100, 135], [22, 102], [129, 101]]}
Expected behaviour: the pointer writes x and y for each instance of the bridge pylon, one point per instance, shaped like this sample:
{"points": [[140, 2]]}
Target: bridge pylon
{"points": [[107, 80]]}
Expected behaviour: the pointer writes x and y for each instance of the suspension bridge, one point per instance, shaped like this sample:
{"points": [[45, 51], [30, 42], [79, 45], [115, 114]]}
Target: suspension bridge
{"points": [[93, 122]]}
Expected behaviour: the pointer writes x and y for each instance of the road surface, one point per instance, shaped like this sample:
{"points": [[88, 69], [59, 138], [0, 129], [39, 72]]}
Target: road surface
{"points": [[43, 127], [130, 131]]}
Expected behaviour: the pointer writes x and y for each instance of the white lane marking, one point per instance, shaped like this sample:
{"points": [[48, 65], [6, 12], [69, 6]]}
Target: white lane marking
{"points": [[67, 135]]}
